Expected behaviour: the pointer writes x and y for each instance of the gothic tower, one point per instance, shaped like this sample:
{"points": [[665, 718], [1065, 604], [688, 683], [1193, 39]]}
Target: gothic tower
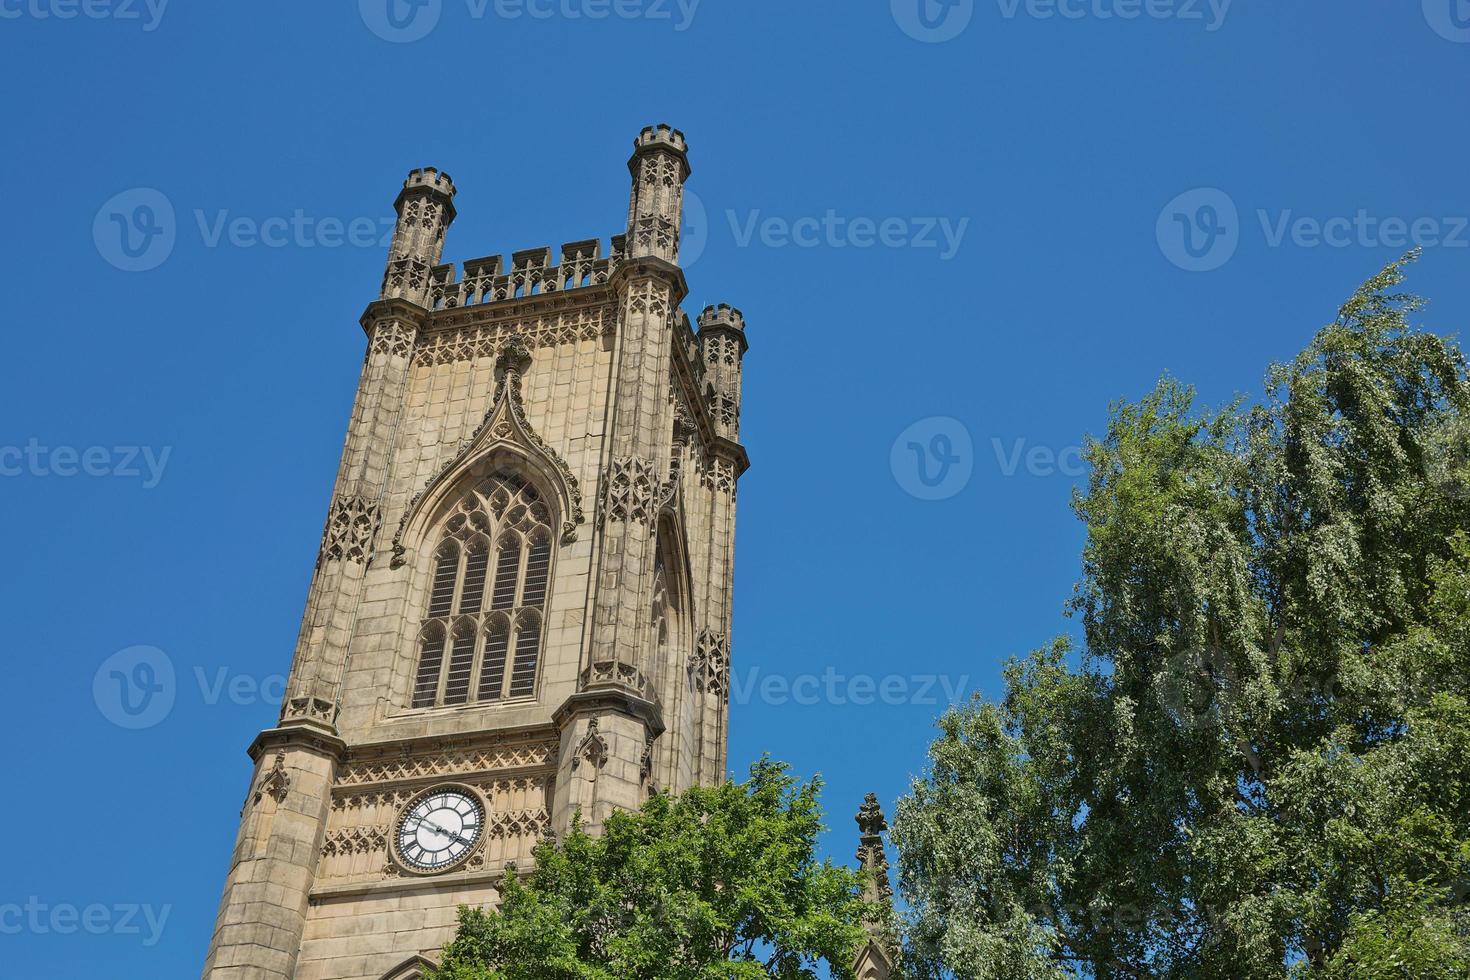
{"points": [[521, 606]]}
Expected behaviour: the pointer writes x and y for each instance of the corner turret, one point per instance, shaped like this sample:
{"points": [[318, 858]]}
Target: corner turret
{"points": [[425, 209], [659, 166]]}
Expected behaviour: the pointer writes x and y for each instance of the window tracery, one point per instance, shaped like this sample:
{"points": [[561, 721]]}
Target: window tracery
{"points": [[481, 636]]}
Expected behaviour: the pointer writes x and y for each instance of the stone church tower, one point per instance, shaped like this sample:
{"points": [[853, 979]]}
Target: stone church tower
{"points": [[521, 607]]}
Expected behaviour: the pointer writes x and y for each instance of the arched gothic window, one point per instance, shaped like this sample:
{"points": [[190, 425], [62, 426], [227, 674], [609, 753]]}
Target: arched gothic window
{"points": [[481, 635]]}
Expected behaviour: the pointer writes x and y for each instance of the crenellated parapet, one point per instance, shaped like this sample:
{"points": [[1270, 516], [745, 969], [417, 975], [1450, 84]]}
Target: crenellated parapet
{"points": [[530, 272]]}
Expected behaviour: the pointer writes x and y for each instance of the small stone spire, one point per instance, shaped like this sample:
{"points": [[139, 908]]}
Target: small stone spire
{"points": [[877, 959], [871, 856]]}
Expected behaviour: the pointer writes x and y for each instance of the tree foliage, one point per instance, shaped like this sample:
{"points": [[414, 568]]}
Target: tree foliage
{"points": [[717, 884], [1259, 764]]}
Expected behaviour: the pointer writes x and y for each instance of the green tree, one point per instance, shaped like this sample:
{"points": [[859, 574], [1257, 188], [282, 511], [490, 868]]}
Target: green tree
{"points": [[719, 883], [1259, 764]]}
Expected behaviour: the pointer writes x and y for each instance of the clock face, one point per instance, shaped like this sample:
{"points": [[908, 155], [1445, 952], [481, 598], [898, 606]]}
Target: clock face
{"points": [[440, 829]]}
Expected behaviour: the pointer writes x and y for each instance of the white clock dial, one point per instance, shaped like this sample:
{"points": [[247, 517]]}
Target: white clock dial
{"points": [[440, 829]]}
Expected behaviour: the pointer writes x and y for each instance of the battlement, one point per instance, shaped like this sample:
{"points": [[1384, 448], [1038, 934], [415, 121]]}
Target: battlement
{"points": [[661, 135], [530, 273], [431, 178], [723, 315]]}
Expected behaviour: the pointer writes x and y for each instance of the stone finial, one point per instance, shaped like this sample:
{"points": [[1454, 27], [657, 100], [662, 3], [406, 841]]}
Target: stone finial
{"points": [[870, 819], [516, 357]]}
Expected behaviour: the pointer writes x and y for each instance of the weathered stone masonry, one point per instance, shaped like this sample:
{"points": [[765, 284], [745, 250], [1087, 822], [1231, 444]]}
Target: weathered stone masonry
{"points": [[523, 592]]}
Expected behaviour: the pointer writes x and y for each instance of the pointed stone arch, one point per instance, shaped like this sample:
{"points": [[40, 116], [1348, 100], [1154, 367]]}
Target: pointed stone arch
{"points": [[504, 439], [414, 968], [670, 530]]}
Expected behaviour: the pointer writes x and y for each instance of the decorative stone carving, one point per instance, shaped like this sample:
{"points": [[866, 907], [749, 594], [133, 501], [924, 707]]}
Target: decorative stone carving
{"points": [[593, 748], [649, 296], [684, 425], [484, 338], [615, 672], [719, 475], [504, 423], [709, 665], [276, 783], [524, 755], [352, 527], [393, 337], [668, 492], [310, 709], [355, 840], [628, 490], [645, 765]]}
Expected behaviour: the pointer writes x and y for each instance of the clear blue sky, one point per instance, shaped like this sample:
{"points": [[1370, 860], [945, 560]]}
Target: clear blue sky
{"points": [[1053, 148]]}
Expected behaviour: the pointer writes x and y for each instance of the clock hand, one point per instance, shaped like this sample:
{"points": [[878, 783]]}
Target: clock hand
{"points": [[425, 822]]}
